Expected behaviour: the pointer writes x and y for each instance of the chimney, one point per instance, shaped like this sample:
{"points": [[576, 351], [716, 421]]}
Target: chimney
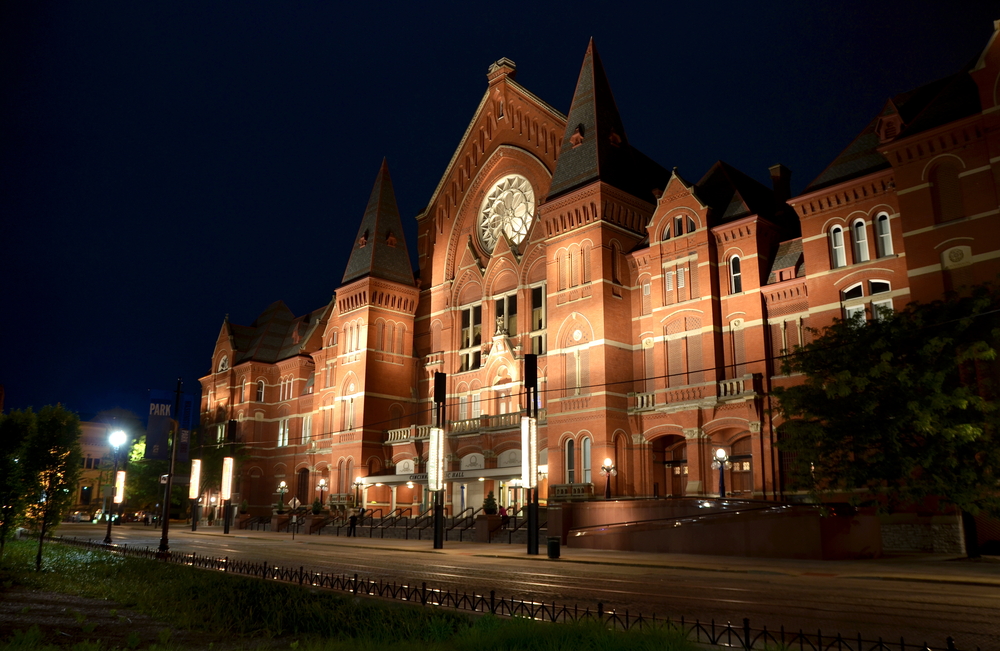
{"points": [[781, 181]]}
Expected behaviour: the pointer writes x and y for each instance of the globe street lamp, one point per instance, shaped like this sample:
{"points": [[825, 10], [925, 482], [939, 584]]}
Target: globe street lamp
{"points": [[722, 463], [607, 470], [117, 438], [359, 483], [321, 487], [282, 489]]}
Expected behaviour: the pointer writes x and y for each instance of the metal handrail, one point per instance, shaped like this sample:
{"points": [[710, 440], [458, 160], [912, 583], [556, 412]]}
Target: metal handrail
{"points": [[393, 518], [468, 520]]}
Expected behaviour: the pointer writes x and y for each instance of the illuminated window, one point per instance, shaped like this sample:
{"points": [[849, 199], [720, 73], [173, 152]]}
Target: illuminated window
{"points": [[860, 241], [570, 463], [472, 338], [538, 320], [838, 258], [884, 235]]}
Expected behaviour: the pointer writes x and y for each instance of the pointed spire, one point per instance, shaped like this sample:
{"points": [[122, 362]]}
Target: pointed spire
{"points": [[595, 146], [380, 247]]}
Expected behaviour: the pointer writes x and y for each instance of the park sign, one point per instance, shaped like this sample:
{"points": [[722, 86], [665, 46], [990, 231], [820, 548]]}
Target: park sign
{"points": [[162, 422]]}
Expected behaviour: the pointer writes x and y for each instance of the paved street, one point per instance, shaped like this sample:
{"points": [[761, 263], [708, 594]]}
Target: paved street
{"points": [[919, 597]]}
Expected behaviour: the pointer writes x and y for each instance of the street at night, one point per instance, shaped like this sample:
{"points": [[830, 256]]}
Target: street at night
{"points": [[917, 597]]}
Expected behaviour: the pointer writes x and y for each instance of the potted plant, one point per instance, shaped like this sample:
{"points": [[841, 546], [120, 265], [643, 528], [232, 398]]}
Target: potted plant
{"points": [[488, 522], [317, 507], [244, 507], [490, 504]]}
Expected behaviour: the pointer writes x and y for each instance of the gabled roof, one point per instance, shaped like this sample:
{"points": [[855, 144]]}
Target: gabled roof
{"points": [[274, 335], [929, 106], [731, 194], [380, 247], [595, 146]]}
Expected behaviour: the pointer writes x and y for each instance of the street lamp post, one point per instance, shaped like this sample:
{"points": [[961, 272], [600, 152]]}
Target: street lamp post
{"points": [[359, 483], [282, 489], [116, 439], [321, 487], [607, 470], [722, 463]]}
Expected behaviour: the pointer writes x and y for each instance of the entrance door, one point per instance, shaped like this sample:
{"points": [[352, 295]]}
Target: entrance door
{"points": [[742, 470]]}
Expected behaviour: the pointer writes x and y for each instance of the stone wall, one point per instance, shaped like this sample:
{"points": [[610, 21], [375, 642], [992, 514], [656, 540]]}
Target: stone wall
{"points": [[938, 534]]}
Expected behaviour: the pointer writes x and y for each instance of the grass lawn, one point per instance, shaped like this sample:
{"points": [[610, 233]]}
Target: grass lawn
{"points": [[91, 600]]}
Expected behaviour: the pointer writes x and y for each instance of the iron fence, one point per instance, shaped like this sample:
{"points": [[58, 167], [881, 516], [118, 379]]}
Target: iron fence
{"points": [[712, 634]]}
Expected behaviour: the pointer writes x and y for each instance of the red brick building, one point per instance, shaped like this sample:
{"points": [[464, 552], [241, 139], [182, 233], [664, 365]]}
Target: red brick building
{"points": [[657, 304]]}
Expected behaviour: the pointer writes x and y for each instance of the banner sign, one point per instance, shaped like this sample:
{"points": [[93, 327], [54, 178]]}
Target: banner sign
{"points": [[161, 407], [162, 421]]}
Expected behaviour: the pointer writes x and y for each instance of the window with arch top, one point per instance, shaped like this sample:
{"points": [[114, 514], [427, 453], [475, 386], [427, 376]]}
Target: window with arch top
{"points": [[838, 258], [860, 240], [735, 275], [570, 462], [883, 235], [260, 390]]}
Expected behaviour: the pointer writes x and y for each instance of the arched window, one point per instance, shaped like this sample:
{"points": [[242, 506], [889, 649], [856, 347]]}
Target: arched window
{"points": [[735, 275], [690, 225], [860, 241], [260, 390], [243, 390], [838, 258], [666, 232], [570, 462], [884, 235], [585, 460], [678, 226], [223, 364], [946, 192]]}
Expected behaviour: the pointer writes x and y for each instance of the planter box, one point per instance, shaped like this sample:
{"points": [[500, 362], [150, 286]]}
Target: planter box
{"points": [[485, 525]]}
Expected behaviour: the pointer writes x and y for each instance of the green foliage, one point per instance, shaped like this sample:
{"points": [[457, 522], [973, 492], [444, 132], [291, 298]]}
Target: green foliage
{"points": [[313, 620], [15, 430], [142, 483], [40, 470], [490, 504], [901, 409], [317, 506]]}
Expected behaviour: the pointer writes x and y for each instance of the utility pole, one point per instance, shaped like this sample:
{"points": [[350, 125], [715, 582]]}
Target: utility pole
{"points": [[163, 551]]}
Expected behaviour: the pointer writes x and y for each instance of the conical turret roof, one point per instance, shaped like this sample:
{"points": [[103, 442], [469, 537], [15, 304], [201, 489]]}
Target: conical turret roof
{"points": [[380, 247], [595, 146]]}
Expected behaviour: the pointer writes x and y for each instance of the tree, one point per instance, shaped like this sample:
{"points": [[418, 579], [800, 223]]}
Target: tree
{"points": [[52, 468], [902, 409], [15, 430]]}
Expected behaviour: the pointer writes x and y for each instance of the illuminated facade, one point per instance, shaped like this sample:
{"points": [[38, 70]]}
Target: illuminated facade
{"points": [[657, 305]]}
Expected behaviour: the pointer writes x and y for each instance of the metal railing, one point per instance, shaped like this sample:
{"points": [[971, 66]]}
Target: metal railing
{"points": [[731, 636], [463, 521]]}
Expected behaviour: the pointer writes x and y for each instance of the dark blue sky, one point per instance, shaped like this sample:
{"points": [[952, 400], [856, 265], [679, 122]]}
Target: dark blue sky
{"points": [[164, 164]]}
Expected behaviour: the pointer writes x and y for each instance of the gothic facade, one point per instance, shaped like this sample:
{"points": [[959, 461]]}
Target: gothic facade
{"points": [[658, 306]]}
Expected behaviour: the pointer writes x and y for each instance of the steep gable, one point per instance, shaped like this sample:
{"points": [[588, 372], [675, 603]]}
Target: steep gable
{"points": [[380, 247], [595, 146]]}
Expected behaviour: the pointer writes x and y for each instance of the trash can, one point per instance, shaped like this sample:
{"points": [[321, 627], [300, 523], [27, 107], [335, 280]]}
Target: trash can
{"points": [[553, 546]]}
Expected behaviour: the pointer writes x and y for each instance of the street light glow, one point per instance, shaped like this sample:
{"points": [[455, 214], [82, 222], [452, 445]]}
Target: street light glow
{"points": [[117, 438], [720, 454]]}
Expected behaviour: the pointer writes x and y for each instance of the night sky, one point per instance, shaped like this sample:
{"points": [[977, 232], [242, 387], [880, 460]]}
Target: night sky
{"points": [[164, 164]]}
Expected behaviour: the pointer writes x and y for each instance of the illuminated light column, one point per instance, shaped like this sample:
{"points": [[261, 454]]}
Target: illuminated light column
{"points": [[117, 439], [529, 448], [435, 459], [119, 487], [227, 490], [193, 491]]}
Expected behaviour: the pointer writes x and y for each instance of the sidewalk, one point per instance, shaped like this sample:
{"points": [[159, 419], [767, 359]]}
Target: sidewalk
{"points": [[927, 568]]}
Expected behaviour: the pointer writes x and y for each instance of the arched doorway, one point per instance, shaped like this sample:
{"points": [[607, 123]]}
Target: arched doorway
{"points": [[742, 470], [670, 452], [302, 486]]}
